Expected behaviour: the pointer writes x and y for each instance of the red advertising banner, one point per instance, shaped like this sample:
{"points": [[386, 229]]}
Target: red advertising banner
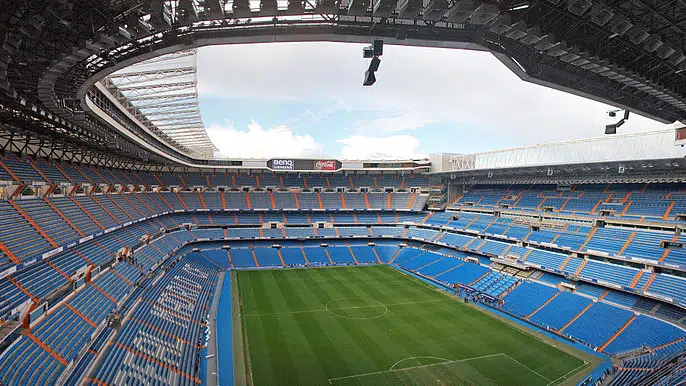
{"points": [[680, 136], [325, 165]]}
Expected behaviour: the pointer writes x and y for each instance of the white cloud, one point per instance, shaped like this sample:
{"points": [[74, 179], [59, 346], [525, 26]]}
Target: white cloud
{"points": [[393, 124], [257, 142], [361, 147]]}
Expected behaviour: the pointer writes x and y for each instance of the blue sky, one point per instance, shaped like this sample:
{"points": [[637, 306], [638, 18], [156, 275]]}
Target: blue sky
{"points": [[307, 100]]}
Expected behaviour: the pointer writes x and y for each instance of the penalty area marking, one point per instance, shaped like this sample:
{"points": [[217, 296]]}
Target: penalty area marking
{"points": [[446, 361], [528, 368], [573, 371], [443, 360], [332, 380]]}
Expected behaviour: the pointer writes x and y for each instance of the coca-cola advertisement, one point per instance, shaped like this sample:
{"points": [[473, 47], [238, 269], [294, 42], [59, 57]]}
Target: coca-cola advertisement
{"points": [[323, 165], [328, 164]]}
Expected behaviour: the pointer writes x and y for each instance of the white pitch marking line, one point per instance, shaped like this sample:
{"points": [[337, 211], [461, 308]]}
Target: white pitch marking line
{"points": [[415, 367], [331, 310], [344, 308], [528, 368], [574, 371], [418, 357]]}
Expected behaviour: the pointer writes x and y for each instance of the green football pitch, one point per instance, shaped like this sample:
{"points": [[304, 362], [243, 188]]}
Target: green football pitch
{"points": [[377, 326]]}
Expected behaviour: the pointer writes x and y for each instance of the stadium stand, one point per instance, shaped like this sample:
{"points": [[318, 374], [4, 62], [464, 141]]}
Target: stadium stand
{"points": [[48, 241]]}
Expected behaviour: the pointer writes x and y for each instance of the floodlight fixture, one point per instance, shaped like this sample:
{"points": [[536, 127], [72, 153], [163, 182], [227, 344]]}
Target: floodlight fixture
{"points": [[373, 52]]}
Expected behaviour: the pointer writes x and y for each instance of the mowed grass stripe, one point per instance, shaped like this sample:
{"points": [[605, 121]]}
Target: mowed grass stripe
{"points": [[359, 345], [293, 339]]}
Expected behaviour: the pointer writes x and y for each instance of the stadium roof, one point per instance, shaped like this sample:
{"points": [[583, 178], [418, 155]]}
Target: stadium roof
{"points": [[651, 156], [649, 145], [629, 53], [162, 93]]}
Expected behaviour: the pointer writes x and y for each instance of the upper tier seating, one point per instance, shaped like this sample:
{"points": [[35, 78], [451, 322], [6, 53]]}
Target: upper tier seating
{"points": [[27, 170], [654, 202]]}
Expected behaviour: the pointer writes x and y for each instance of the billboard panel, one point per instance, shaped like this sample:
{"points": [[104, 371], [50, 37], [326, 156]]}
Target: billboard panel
{"points": [[327, 165], [281, 164], [306, 165]]}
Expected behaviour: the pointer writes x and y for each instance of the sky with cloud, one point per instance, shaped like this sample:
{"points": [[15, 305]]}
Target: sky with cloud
{"points": [[307, 100]]}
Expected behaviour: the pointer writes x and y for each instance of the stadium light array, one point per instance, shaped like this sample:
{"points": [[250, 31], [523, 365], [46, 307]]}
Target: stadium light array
{"points": [[612, 128], [373, 52]]}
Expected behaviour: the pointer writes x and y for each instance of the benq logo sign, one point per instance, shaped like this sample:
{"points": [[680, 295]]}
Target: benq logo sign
{"points": [[283, 164]]}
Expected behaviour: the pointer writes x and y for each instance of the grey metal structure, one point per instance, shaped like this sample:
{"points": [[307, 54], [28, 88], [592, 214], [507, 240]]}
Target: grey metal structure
{"points": [[628, 53], [162, 94], [649, 145]]}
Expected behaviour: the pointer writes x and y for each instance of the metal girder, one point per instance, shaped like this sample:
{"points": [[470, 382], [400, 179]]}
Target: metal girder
{"points": [[150, 114], [185, 130], [172, 127], [160, 98], [169, 127], [122, 79], [177, 117], [197, 138], [172, 56], [147, 89]]}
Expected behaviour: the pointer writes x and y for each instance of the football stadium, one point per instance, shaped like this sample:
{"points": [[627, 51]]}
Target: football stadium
{"points": [[132, 253]]}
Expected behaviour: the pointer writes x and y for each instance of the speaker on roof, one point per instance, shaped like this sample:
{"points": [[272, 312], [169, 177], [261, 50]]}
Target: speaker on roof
{"points": [[241, 8], [533, 36], [160, 15], [546, 43], [187, 11], [384, 8], [652, 43], [601, 15], [296, 6], [619, 25], [326, 6], [484, 14], [461, 11], [517, 31], [358, 7], [268, 8], [434, 9], [579, 7], [665, 51], [558, 49], [570, 56], [409, 9], [677, 58], [502, 24], [638, 35], [214, 9]]}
